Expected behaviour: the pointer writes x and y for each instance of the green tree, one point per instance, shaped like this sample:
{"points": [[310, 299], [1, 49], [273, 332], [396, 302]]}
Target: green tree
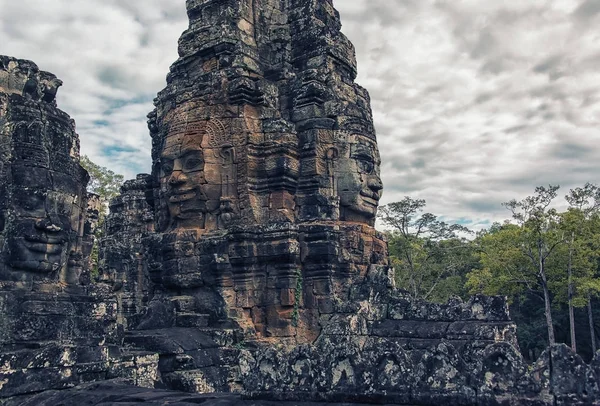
{"points": [[107, 185], [579, 223], [428, 255], [523, 256], [103, 182]]}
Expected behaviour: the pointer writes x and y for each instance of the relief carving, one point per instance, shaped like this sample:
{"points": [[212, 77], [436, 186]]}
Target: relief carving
{"points": [[46, 196], [357, 179], [198, 179]]}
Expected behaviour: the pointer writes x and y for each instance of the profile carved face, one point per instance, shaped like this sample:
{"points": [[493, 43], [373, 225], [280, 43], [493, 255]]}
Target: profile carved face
{"points": [[359, 185], [183, 182]]}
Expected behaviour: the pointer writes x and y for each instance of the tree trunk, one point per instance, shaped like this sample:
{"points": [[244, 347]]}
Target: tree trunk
{"points": [[547, 306], [571, 310], [547, 312], [591, 320]]}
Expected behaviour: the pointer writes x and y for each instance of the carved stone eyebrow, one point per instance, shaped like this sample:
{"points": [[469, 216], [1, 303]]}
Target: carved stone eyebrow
{"points": [[364, 151], [170, 154], [189, 152]]}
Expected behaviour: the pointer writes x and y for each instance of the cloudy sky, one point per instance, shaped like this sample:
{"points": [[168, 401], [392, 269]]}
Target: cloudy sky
{"points": [[476, 102]]}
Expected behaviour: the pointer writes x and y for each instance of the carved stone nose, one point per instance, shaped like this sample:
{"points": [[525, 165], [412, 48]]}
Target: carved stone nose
{"points": [[176, 178], [47, 225], [375, 183]]}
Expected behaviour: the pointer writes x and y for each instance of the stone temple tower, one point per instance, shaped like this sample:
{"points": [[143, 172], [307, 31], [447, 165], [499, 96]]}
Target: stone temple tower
{"points": [[255, 229], [55, 326], [247, 260], [265, 178]]}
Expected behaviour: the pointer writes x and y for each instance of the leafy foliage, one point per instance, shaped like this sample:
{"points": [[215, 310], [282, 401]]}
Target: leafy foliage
{"points": [[545, 261], [429, 256], [103, 182], [543, 254], [107, 185]]}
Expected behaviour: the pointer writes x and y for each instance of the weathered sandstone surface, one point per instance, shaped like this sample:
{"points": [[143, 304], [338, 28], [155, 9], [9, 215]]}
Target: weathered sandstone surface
{"points": [[246, 265]]}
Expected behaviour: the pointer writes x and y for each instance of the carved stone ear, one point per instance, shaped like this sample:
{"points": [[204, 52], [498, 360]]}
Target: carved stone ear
{"points": [[228, 155], [331, 156]]}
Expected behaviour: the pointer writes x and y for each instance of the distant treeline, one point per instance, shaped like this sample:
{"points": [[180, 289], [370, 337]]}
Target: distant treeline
{"points": [[547, 262]]}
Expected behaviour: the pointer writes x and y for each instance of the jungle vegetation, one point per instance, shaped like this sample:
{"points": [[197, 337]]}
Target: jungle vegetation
{"points": [[547, 262]]}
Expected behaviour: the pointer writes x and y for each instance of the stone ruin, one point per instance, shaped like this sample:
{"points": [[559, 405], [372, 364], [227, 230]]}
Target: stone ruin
{"points": [[247, 262], [55, 326], [265, 171]]}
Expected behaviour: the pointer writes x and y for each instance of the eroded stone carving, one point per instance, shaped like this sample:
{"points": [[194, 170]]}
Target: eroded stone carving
{"points": [[266, 185], [55, 326], [198, 172], [356, 176], [247, 261], [44, 203], [264, 272]]}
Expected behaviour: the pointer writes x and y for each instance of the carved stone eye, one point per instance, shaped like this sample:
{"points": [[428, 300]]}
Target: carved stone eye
{"points": [[192, 163], [167, 167], [365, 166]]}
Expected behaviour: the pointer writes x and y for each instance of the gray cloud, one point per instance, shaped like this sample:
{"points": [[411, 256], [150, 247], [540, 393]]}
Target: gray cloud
{"points": [[588, 9], [573, 151], [475, 102], [113, 56]]}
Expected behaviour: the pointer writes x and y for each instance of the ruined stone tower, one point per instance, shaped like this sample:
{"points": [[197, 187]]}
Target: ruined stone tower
{"points": [[43, 198], [54, 326], [247, 261], [266, 170], [264, 192]]}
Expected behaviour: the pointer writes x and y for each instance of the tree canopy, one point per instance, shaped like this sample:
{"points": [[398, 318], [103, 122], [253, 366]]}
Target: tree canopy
{"points": [[103, 182], [107, 185], [544, 260], [430, 257]]}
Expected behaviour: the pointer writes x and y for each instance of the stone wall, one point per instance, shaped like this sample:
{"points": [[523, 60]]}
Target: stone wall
{"points": [[120, 258]]}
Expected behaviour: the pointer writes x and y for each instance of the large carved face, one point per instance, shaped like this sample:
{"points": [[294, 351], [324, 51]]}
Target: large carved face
{"points": [[197, 173], [358, 183], [45, 224], [183, 182], [47, 186]]}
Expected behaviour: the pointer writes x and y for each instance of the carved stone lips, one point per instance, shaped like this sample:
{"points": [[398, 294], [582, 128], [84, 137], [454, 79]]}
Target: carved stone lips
{"points": [[370, 198], [178, 196], [45, 243], [46, 239], [44, 248]]}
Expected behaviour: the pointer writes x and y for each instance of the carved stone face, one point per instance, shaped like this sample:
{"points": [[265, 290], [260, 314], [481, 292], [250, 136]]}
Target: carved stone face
{"points": [[46, 196], [197, 172], [183, 181], [358, 183], [44, 227]]}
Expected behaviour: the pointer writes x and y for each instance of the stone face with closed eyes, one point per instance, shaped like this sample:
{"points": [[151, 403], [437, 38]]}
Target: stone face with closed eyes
{"points": [[265, 173], [44, 202]]}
